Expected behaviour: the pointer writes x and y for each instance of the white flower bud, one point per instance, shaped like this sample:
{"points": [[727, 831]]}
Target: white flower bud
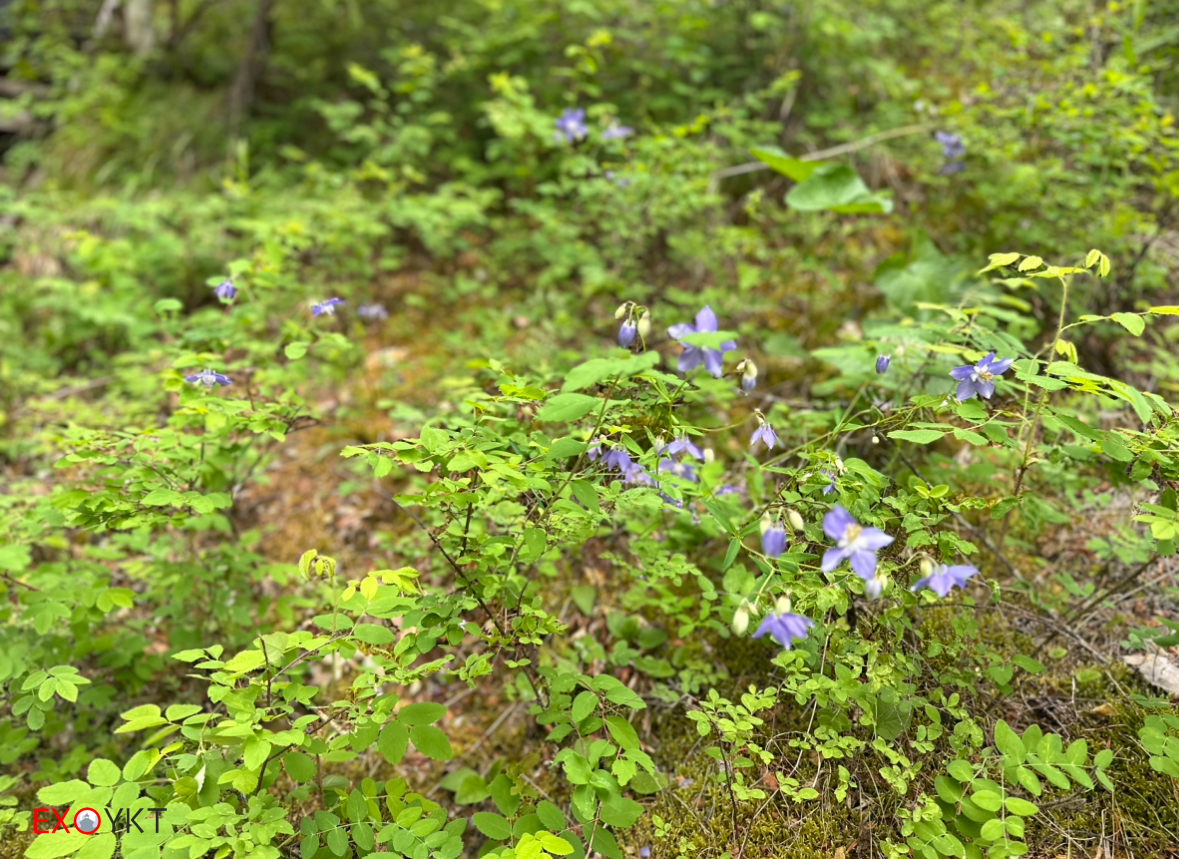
{"points": [[622, 310], [875, 439], [795, 519], [926, 567], [741, 620], [766, 523], [644, 325], [839, 466], [783, 605], [873, 588], [709, 455]]}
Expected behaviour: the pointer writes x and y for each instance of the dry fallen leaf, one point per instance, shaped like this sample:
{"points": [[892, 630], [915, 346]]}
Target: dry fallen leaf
{"points": [[1157, 670]]}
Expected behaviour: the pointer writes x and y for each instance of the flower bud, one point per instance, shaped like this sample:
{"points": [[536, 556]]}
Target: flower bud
{"points": [[766, 523], [709, 455], [882, 364], [926, 567], [626, 334], [644, 325], [873, 588], [839, 466], [875, 439], [622, 310], [748, 375], [783, 605], [795, 519], [741, 620]]}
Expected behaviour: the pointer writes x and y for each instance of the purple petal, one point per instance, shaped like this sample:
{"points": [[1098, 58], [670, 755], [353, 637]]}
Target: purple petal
{"points": [[962, 373], [873, 539], [985, 362], [728, 346], [966, 390], [985, 389], [706, 320], [998, 368], [836, 522], [863, 564], [680, 331], [832, 558], [690, 359], [714, 362]]}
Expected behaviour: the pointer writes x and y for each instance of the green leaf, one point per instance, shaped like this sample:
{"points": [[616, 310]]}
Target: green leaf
{"points": [[1009, 743], [373, 633], [162, 497], [550, 815], [393, 742], [100, 846], [247, 660], [296, 350], [103, 773], [567, 407], [423, 713], [492, 825], [64, 793], [987, 800], [357, 808], [623, 733], [299, 766], [56, 844], [584, 704], [776, 159], [1132, 322], [431, 742], [535, 540], [1020, 806], [836, 188], [180, 712], [921, 436], [600, 369]]}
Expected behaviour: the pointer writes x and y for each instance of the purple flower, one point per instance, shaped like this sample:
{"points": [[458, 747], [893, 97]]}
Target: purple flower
{"points": [[617, 459], [571, 125], [773, 538], [326, 308], [626, 334], [979, 378], [852, 541], [953, 149], [637, 475], [882, 364], [683, 444], [942, 579], [617, 132], [372, 312], [693, 356], [208, 379], [765, 433], [225, 290], [748, 372], [830, 487], [727, 489], [951, 167], [785, 628], [644, 853], [682, 470]]}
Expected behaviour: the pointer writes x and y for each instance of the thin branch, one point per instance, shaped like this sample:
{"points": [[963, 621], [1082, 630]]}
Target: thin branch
{"points": [[841, 149]]}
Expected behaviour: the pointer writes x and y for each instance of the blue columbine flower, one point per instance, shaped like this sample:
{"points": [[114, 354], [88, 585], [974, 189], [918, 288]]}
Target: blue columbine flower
{"points": [[693, 356], [882, 363], [979, 378], [682, 470], [626, 334], [225, 290], [682, 444], [765, 433], [786, 628], [942, 579], [617, 459], [830, 487], [617, 132], [326, 308], [854, 542], [773, 537], [953, 149], [637, 475], [372, 312], [208, 379], [571, 125]]}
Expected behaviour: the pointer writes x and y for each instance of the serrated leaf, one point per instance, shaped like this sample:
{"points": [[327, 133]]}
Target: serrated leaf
{"points": [[431, 742], [567, 407], [1132, 322], [492, 825], [921, 436]]}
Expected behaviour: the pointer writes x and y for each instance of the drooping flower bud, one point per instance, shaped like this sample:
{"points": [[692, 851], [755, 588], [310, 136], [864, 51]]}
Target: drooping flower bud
{"points": [[622, 310], [626, 334], [926, 566], [644, 325], [795, 519], [709, 455], [874, 587], [741, 620], [882, 364], [748, 372], [783, 605]]}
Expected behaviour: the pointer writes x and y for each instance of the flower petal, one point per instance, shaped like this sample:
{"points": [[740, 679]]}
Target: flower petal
{"points": [[998, 368], [966, 390], [962, 373], [836, 522], [728, 346], [873, 539], [683, 329], [706, 320], [832, 558], [714, 362], [863, 564], [690, 359], [985, 389]]}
